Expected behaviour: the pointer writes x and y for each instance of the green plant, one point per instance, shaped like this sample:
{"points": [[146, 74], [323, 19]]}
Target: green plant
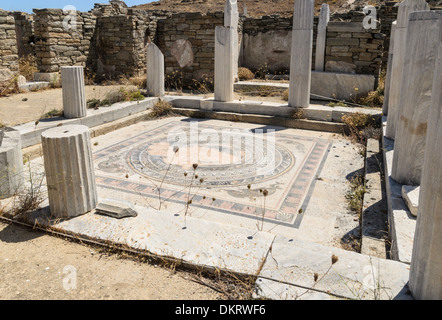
{"points": [[93, 103], [355, 195], [135, 96]]}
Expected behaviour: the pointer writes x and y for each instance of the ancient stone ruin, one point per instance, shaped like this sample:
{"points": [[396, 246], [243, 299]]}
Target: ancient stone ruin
{"points": [[316, 197]]}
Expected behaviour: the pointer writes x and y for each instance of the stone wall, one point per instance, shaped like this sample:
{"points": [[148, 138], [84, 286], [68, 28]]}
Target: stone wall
{"points": [[187, 41], [8, 42], [24, 29], [121, 43], [267, 43], [57, 45], [349, 47]]}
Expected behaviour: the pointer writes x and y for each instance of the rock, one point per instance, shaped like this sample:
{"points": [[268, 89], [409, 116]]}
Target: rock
{"points": [[116, 209], [6, 75], [410, 194]]}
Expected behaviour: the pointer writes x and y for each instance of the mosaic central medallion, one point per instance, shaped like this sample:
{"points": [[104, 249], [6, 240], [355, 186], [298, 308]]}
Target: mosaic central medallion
{"points": [[219, 164]]}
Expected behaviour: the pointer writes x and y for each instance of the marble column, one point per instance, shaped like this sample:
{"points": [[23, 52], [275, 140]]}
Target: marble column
{"points": [[415, 98], [426, 260], [324, 18], [11, 164], [74, 97], [224, 61], [69, 170], [155, 71], [231, 19], [301, 54], [389, 66], [400, 42]]}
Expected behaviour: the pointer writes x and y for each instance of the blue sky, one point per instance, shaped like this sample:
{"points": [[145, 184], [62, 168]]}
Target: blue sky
{"points": [[81, 5]]}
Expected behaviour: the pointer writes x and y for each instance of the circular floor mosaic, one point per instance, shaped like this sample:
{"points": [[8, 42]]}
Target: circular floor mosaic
{"points": [[218, 166]]}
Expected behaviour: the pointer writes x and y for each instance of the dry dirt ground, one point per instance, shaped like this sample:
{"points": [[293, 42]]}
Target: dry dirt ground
{"points": [[27, 107], [37, 266]]}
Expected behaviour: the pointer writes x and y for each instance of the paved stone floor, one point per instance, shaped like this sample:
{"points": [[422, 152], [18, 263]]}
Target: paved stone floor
{"points": [[304, 174]]}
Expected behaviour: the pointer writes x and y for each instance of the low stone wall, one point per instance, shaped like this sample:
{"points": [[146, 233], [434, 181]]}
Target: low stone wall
{"points": [[8, 42]]}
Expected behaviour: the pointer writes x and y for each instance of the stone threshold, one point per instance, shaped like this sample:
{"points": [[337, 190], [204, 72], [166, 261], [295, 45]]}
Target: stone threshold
{"points": [[283, 268], [31, 132], [285, 114], [401, 222]]}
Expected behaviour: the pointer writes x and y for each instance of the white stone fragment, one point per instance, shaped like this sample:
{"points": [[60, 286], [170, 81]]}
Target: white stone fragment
{"points": [[410, 194], [116, 208], [324, 18], [155, 71]]}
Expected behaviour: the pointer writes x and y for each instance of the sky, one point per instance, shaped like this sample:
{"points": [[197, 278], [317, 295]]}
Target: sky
{"points": [[81, 5]]}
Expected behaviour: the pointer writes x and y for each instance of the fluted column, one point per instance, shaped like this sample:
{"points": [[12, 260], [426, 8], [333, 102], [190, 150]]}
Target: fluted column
{"points": [[155, 71], [426, 259], [74, 97], [69, 170], [301, 54]]}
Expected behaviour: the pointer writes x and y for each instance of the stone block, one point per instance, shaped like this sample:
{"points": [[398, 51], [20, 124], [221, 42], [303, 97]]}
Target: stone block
{"points": [[116, 208], [410, 194]]}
